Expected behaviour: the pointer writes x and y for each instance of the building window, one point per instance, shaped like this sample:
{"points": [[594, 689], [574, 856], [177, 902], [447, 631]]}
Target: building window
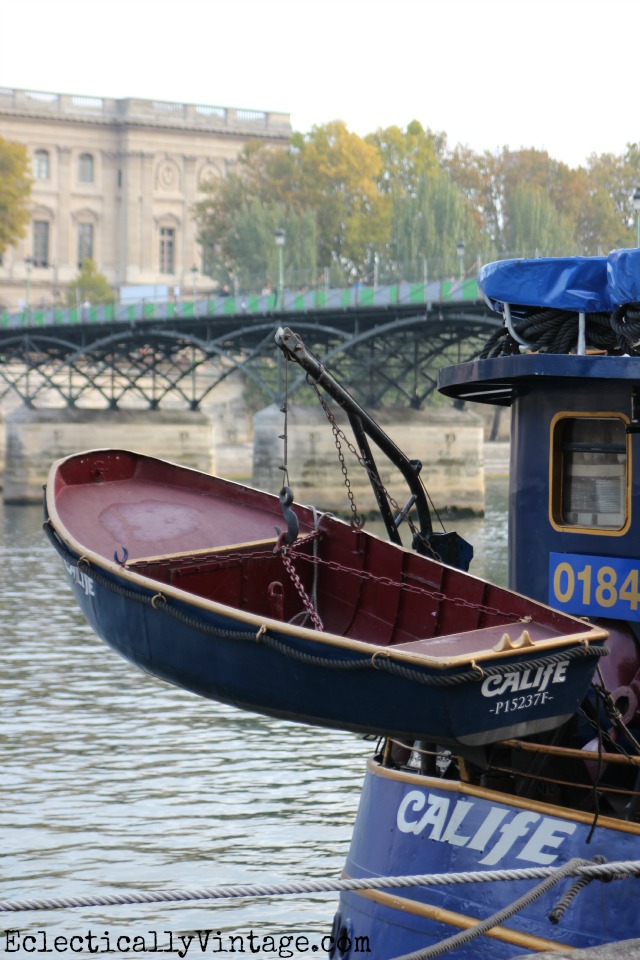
{"points": [[40, 243], [41, 165], [589, 478], [85, 243], [167, 250], [85, 168]]}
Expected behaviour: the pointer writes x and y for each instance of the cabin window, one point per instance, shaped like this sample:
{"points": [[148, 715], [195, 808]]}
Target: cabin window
{"points": [[589, 473]]}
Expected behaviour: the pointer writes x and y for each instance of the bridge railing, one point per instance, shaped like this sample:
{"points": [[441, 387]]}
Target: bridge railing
{"points": [[304, 301]]}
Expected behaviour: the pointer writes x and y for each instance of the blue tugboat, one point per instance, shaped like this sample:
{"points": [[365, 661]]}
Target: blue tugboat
{"points": [[567, 362], [510, 718]]}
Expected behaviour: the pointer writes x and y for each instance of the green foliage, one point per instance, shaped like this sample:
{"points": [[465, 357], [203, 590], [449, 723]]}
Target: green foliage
{"points": [[15, 192], [89, 287], [398, 200], [428, 225], [408, 157], [534, 223]]}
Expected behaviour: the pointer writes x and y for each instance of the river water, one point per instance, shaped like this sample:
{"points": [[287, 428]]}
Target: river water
{"points": [[115, 782]]}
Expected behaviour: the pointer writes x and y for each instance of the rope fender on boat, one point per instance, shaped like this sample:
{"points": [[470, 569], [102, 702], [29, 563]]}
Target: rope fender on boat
{"points": [[380, 660], [618, 870]]}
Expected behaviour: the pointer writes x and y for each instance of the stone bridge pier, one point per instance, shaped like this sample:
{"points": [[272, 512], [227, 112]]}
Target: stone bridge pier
{"points": [[35, 438], [448, 442]]}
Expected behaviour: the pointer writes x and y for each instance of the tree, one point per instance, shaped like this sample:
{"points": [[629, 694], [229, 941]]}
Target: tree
{"points": [[533, 224], [90, 287], [408, 156], [612, 181], [327, 178], [15, 192], [427, 227]]}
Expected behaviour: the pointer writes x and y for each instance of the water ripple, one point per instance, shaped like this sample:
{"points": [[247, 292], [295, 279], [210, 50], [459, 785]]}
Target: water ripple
{"points": [[115, 781]]}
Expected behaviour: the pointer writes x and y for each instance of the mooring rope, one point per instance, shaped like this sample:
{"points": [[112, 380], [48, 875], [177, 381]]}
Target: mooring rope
{"points": [[479, 929], [610, 871]]}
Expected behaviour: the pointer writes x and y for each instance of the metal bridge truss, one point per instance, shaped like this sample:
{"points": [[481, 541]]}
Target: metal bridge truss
{"points": [[384, 357]]}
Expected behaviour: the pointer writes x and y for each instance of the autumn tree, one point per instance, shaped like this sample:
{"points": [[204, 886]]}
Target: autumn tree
{"points": [[429, 213], [409, 157], [15, 192], [322, 191], [613, 180]]}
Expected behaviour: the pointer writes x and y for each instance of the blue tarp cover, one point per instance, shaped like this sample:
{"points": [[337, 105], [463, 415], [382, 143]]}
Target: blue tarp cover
{"points": [[623, 269], [561, 283]]}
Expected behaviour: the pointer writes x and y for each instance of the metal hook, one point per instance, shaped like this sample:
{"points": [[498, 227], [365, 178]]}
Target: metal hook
{"points": [[125, 556]]}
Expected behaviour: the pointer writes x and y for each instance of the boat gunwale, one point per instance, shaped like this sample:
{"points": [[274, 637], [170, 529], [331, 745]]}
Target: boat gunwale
{"points": [[323, 638], [375, 768]]}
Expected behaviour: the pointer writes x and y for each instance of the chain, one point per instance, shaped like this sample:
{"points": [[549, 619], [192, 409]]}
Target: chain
{"points": [[297, 582], [412, 588], [339, 434], [357, 520], [297, 551], [285, 436]]}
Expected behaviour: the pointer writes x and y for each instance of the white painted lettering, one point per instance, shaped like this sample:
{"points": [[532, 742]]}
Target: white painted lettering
{"points": [[415, 800], [526, 835], [491, 686], [514, 681], [487, 828], [436, 815], [81, 578], [518, 827], [550, 833], [560, 671], [451, 835]]}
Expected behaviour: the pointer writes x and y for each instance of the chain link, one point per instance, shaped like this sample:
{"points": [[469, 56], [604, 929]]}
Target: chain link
{"points": [[297, 582], [339, 434], [413, 588]]}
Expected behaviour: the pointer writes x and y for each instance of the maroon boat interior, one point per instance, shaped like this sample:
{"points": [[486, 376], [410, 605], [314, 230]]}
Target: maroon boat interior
{"points": [[215, 539]]}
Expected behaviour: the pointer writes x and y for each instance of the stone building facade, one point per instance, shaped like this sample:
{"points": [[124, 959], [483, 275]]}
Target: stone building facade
{"points": [[115, 182]]}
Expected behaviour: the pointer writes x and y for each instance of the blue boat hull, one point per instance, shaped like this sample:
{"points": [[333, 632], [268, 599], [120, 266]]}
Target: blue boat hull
{"points": [[409, 824], [283, 673]]}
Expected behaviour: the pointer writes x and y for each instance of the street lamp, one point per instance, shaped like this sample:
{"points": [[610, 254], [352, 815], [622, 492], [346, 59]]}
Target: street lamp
{"points": [[280, 237], [460, 252], [28, 263], [636, 205], [194, 274]]}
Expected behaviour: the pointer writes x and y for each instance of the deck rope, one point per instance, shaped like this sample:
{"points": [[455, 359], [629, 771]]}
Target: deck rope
{"points": [[610, 871], [557, 331]]}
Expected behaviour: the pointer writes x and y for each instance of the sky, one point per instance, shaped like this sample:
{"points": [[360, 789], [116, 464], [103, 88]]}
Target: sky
{"points": [[557, 75]]}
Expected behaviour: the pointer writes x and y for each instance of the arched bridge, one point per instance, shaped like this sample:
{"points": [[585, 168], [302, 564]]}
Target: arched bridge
{"points": [[385, 344]]}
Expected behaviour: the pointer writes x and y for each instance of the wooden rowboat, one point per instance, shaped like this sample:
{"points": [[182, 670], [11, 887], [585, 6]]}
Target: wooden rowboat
{"points": [[190, 577]]}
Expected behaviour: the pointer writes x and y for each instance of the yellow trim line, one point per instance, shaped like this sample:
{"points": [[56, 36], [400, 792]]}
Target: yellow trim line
{"points": [[460, 920]]}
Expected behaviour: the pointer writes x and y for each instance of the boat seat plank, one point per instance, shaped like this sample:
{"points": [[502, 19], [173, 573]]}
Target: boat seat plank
{"points": [[152, 519]]}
